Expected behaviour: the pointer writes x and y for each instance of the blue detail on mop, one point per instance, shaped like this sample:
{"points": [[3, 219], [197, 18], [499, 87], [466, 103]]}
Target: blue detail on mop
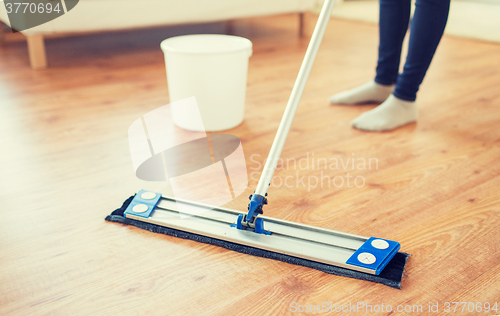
{"points": [[374, 254], [143, 204], [255, 206], [259, 225]]}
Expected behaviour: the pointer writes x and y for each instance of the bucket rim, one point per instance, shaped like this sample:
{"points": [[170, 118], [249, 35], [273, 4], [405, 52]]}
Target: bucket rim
{"points": [[166, 48]]}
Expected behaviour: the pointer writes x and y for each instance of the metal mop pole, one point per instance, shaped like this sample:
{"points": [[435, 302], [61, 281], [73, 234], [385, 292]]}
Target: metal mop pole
{"points": [[258, 199]]}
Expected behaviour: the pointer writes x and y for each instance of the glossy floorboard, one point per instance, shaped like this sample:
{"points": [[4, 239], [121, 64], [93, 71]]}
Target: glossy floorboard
{"points": [[65, 164]]}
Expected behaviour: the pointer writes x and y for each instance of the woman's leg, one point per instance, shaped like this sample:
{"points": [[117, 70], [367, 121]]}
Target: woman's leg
{"points": [[393, 24], [427, 27], [426, 30]]}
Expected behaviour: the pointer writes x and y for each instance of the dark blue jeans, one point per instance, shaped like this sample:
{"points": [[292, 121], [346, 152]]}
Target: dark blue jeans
{"points": [[426, 30]]}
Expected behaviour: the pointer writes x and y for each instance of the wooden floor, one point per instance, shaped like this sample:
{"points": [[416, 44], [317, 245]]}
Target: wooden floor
{"points": [[65, 165]]}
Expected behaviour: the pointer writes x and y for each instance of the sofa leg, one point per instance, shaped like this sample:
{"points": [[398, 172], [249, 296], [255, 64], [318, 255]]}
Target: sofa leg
{"points": [[2, 32], [230, 27], [36, 50], [301, 24]]}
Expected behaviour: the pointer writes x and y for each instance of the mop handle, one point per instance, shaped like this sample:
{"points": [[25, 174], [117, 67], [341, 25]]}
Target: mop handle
{"points": [[293, 102]]}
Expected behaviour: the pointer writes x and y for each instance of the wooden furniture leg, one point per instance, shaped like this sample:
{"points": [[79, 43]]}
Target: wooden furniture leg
{"points": [[2, 32], [230, 27], [36, 50], [301, 24]]}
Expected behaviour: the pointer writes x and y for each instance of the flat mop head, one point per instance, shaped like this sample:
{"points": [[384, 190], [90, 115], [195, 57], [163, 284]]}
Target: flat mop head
{"points": [[138, 211]]}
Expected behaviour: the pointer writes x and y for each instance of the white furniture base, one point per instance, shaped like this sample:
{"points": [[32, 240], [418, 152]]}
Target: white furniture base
{"points": [[108, 15]]}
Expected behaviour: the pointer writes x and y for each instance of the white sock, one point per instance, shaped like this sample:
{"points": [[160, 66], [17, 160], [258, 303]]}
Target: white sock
{"points": [[369, 92], [392, 113]]}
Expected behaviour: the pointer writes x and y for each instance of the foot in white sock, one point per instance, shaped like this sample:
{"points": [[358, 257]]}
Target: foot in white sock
{"points": [[392, 113], [369, 92]]}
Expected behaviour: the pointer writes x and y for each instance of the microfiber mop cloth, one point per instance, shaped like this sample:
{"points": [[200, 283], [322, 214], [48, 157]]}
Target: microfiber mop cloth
{"points": [[390, 276]]}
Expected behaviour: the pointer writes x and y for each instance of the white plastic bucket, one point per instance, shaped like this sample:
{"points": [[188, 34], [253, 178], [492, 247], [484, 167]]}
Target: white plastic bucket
{"points": [[213, 68]]}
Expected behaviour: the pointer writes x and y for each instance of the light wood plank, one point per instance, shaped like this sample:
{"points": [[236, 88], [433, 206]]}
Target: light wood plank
{"points": [[65, 165]]}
